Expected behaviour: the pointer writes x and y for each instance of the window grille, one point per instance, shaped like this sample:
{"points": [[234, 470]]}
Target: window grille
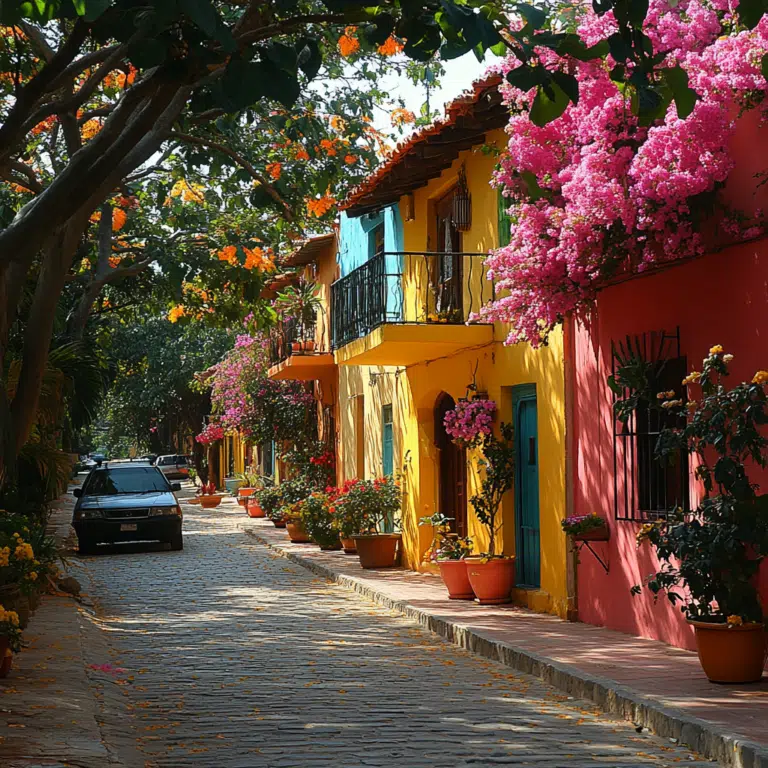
{"points": [[646, 488]]}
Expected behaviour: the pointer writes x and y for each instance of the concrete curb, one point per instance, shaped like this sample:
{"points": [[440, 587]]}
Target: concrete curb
{"points": [[704, 737]]}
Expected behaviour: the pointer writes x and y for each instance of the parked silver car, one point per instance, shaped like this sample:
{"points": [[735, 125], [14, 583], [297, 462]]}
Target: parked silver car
{"points": [[173, 466]]}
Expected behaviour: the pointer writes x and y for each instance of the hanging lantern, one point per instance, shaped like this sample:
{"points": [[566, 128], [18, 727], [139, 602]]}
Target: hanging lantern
{"points": [[462, 204]]}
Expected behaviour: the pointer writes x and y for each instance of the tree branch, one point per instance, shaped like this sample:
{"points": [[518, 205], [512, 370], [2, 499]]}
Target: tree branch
{"points": [[32, 183], [241, 161]]}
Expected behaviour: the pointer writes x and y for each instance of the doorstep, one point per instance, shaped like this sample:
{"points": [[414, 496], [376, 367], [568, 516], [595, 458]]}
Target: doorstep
{"points": [[654, 685]]}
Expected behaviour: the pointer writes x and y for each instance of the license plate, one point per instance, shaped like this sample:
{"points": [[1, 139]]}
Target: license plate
{"points": [[128, 526]]}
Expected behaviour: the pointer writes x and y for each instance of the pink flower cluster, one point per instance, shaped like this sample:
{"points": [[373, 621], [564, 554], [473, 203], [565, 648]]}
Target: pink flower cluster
{"points": [[469, 421], [615, 196], [210, 434]]}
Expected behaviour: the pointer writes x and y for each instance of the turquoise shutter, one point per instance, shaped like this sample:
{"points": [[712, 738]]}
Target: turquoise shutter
{"points": [[387, 440], [505, 222]]}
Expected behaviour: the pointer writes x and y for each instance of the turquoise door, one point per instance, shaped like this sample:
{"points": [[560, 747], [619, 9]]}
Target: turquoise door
{"points": [[527, 533], [387, 451]]}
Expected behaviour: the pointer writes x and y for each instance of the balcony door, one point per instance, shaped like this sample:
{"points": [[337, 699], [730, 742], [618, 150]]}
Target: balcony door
{"points": [[447, 282], [452, 468]]}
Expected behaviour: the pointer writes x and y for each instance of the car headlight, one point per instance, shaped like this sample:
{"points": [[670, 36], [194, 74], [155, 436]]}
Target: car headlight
{"points": [[87, 514], [157, 511]]}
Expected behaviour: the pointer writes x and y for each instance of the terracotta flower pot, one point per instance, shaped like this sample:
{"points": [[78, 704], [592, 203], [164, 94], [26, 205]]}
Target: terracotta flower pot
{"points": [[296, 532], [194, 500], [378, 550], [456, 580], [246, 491], [279, 523], [734, 654], [295, 346], [209, 502], [308, 345], [335, 547], [254, 509], [492, 582], [348, 546]]}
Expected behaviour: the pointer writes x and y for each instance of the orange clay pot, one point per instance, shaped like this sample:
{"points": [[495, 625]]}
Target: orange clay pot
{"points": [[379, 550], [209, 502], [296, 532], [254, 508], [492, 582], [456, 579], [733, 654], [348, 545]]}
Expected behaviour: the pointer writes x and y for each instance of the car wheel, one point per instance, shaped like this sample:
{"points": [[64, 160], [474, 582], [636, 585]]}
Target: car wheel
{"points": [[177, 542], [86, 546]]}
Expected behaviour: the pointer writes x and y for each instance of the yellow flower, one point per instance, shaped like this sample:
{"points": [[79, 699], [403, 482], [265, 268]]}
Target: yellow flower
{"points": [[761, 377], [692, 378], [177, 312], [671, 403], [691, 405], [24, 552], [33, 575], [716, 350], [735, 621]]}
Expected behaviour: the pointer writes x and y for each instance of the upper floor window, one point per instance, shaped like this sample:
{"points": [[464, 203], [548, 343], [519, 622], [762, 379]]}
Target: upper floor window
{"points": [[376, 240]]}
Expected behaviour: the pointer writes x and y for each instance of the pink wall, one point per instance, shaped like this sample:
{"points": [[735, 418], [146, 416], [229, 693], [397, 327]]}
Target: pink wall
{"points": [[719, 299]]}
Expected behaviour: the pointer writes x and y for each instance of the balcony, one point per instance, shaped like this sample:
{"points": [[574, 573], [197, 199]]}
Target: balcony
{"points": [[299, 352], [387, 310]]}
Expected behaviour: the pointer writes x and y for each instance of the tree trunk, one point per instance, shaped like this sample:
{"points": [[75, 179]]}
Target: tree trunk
{"points": [[57, 261]]}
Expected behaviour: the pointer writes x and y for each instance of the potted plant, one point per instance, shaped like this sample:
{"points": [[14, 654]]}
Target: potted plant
{"points": [[372, 505], [318, 521], [301, 303], [208, 496], [10, 639], [710, 555], [586, 527], [292, 514], [252, 481], [492, 575], [270, 499], [470, 421], [448, 550]]}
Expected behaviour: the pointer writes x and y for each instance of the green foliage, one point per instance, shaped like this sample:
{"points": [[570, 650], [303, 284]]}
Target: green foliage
{"points": [[710, 556], [366, 506], [496, 465], [314, 513], [446, 545], [282, 411]]}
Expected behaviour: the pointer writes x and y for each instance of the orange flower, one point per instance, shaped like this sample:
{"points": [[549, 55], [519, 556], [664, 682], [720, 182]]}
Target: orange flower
{"points": [[402, 116], [337, 123], [350, 159], [390, 46], [302, 154], [44, 126], [119, 217], [329, 146], [177, 312], [229, 254], [114, 261], [90, 128], [348, 44], [274, 170], [320, 206], [258, 258]]}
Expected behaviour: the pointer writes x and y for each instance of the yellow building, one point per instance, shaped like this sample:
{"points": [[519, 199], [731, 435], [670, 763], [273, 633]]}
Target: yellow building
{"points": [[411, 261]]}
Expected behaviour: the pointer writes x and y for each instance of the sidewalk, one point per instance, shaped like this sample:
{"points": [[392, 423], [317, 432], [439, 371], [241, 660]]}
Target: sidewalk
{"points": [[48, 713], [652, 684]]}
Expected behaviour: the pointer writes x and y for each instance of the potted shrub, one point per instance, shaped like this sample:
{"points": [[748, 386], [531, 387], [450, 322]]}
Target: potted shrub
{"points": [[10, 639], [372, 505], [470, 421], [294, 523], [710, 555], [492, 575], [448, 550], [302, 303], [208, 496], [253, 506], [270, 499], [586, 527], [318, 521]]}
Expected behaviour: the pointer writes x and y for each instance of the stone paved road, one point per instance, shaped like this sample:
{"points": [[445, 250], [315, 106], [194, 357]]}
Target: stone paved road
{"points": [[226, 655]]}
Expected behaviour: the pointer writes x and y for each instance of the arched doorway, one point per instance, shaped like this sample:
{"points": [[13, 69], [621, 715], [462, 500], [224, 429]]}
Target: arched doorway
{"points": [[452, 467]]}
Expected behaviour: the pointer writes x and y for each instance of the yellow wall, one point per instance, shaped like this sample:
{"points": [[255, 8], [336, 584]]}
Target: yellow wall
{"points": [[414, 389]]}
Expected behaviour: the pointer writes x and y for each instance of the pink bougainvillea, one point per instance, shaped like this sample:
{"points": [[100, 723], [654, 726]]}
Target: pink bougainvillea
{"points": [[595, 193], [469, 421]]}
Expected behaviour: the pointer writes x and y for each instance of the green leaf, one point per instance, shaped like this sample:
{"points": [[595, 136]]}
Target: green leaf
{"points": [[638, 10], [573, 46], [310, 58], [550, 102], [751, 11], [148, 53], [525, 77], [533, 15], [764, 66], [619, 48], [535, 192], [203, 15], [569, 84], [684, 96], [94, 9]]}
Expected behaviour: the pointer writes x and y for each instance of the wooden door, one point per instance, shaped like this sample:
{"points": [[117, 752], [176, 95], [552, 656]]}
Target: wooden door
{"points": [[452, 481], [447, 278]]}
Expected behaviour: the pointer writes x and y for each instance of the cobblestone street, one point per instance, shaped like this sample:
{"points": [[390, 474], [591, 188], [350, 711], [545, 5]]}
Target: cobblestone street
{"points": [[228, 655]]}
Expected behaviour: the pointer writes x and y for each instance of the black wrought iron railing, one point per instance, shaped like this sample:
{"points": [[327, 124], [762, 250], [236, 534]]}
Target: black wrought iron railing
{"points": [[408, 287], [291, 337]]}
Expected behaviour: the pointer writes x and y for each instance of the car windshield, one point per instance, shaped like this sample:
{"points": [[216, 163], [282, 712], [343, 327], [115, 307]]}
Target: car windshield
{"points": [[129, 480], [165, 460]]}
